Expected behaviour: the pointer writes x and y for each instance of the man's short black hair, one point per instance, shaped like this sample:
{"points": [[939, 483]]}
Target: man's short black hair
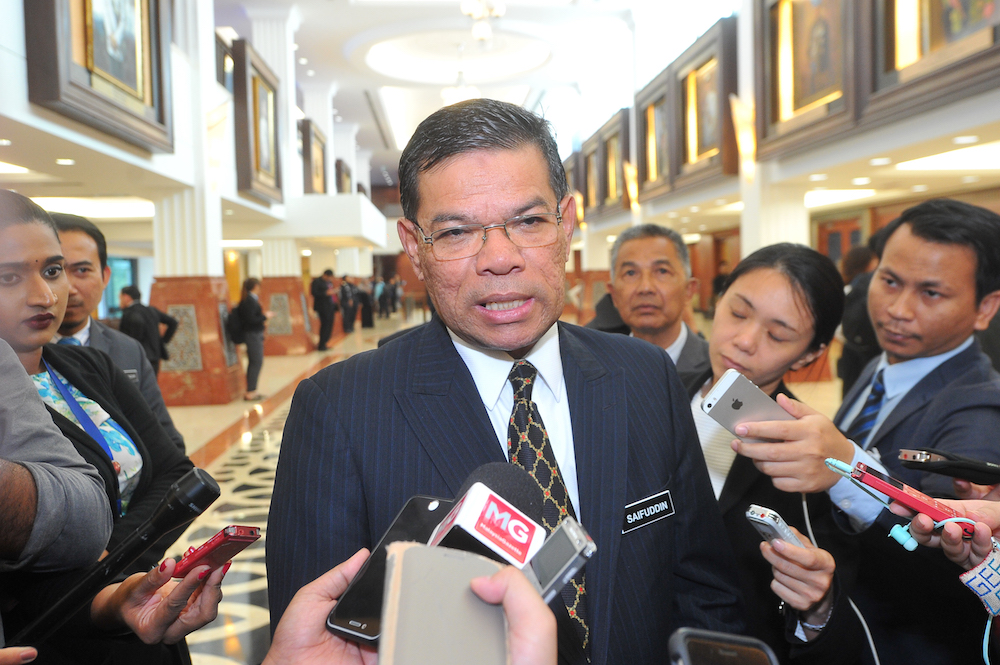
{"points": [[478, 124], [327, 273], [66, 222], [132, 292], [951, 222]]}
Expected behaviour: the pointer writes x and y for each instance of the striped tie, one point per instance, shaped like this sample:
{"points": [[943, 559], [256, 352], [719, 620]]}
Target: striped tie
{"points": [[69, 341], [862, 426]]}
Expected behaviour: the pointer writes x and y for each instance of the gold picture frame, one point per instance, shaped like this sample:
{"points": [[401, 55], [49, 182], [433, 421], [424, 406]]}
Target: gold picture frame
{"points": [[703, 121], [265, 146], [313, 158], [257, 123], [117, 36]]}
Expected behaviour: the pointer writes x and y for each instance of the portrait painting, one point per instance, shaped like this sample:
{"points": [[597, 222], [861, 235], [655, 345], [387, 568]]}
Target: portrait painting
{"points": [[318, 151], [706, 84], [115, 33], [264, 139], [959, 18], [817, 50]]}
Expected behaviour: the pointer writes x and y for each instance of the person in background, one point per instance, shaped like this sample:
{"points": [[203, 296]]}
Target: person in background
{"points": [[322, 290], [253, 318], [348, 303], [86, 254], [860, 342], [142, 322]]}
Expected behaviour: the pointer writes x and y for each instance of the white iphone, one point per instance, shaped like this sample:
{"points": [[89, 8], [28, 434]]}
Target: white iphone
{"points": [[735, 400]]}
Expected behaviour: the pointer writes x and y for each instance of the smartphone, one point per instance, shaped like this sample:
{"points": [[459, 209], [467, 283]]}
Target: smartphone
{"points": [[218, 549], [566, 550], [735, 400], [906, 495], [950, 464], [357, 616], [693, 646], [770, 525]]}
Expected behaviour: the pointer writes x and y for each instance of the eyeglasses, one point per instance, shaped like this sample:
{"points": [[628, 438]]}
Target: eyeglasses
{"points": [[464, 240]]}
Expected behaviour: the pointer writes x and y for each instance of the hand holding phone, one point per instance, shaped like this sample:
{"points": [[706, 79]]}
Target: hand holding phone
{"points": [[770, 526], [735, 400], [218, 549]]}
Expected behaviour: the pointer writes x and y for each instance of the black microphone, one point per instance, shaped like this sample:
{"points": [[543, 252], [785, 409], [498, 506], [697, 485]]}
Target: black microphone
{"points": [[186, 499]]}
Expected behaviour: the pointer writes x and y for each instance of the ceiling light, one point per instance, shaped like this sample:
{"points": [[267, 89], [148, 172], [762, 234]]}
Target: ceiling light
{"points": [[736, 206], [336, 252], [703, 227], [227, 34], [672, 215], [97, 207], [825, 197], [4, 143], [229, 211], [303, 61], [310, 72], [982, 157], [339, 118], [482, 31], [65, 161], [306, 252], [919, 188], [242, 244], [695, 209], [861, 181], [611, 239], [685, 219], [969, 179], [295, 47], [720, 202], [691, 238], [6, 168], [880, 161], [965, 140], [817, 177]]}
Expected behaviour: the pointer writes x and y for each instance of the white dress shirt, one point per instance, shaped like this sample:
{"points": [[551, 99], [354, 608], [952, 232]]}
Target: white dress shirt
{"points": [[490, 370], [82, 335]]}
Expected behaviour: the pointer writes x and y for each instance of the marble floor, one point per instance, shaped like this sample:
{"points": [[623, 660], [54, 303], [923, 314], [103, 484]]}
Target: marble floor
{"points": [[244, 466]]}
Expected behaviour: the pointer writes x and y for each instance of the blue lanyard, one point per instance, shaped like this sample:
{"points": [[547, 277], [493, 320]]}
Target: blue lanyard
{"points": [[85, 421]]}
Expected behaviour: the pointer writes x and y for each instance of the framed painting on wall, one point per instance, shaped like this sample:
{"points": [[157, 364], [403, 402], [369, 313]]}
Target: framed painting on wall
{"points": [[103, 63], [702, 112], [817, 35], [255, 91], [313, 158]]}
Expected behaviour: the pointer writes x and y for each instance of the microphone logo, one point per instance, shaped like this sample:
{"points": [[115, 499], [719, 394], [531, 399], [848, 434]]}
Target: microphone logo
{"points": [[506, 528]]}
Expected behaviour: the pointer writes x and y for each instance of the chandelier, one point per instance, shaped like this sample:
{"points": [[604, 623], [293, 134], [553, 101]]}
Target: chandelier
{"points": [[481, 12]]}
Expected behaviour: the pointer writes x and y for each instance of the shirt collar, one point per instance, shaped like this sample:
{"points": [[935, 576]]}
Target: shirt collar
{"points": [[901, 377], [82, 335], [674, 350], [490, 369]]}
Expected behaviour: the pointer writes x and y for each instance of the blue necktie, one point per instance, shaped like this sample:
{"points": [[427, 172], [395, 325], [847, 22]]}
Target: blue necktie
{"points": [[862, 426], [69, 341]]}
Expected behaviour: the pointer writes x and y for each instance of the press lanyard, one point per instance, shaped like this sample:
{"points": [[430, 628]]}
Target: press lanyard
{"points": [[81, 416]]}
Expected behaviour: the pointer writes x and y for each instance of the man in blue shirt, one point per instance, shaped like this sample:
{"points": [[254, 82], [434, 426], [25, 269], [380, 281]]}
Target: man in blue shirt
{"points": [[937, 283]]}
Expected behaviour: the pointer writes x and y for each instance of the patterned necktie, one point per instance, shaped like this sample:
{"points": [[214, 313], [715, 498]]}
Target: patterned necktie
{"points": [[862, 426], [69, 341], [529, 447]]}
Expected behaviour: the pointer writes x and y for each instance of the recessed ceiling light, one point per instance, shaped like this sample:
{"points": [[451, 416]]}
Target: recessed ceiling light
{"points": [[685, 219], [695, 208], [295, 47], [672, 215], [229, 211], [880, 161], [65, 161], [702, 228], [5, 142], [336, 251], [919, 188], [861, 181], [817, 177], [310, 72], [691, 238], [965, 140], [720, 202], [969, 179], [611, 239], [339, 118], [306, 252], [11, 168], [303, 61]]}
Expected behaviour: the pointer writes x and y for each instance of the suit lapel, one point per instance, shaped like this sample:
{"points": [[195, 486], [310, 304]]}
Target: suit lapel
{"points": [[600, 439], [98, 337], [852, 394], [442, 406]]}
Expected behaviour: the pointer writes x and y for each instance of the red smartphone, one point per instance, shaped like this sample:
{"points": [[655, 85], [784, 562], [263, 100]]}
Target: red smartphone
{"points": [[906, 495], [218, 549]]}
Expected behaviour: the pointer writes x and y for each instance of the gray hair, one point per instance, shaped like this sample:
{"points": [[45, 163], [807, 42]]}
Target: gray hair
{"points": [[651, 231]]}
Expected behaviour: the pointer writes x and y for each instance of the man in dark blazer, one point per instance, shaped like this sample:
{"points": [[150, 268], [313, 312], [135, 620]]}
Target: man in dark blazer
{"points": [[937, 283], [321, 290], [651, 287], [142, 322], [86, 254], [421, 413]]}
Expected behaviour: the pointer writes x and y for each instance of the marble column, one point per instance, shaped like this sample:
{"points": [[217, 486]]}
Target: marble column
{"points": [[318, 101]]}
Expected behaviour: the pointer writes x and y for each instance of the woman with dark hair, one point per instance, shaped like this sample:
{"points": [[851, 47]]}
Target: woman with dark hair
{"points": [[103, 414], [252, 318], [777, 312]]}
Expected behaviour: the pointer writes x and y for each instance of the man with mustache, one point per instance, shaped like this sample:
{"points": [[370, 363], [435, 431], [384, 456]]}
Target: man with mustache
{"points": [[937, 283]]}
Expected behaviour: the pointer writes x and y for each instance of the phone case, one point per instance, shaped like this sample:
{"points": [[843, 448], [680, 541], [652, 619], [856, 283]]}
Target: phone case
{"points": [[218, 549], [735, 400]]}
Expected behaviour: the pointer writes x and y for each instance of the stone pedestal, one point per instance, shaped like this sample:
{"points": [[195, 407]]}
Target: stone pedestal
{"points": [[291, 330], [203, 367]]}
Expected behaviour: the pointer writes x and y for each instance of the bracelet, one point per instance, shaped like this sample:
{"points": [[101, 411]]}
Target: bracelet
{"points": [[818, 626]]}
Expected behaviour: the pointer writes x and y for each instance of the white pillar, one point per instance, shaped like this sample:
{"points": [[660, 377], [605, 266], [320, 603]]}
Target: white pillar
{"points": [[318, 100], [349, 262], [366, 266], [187, 227], [272, 35], [255, 263], [323, 258], [281, 258]]}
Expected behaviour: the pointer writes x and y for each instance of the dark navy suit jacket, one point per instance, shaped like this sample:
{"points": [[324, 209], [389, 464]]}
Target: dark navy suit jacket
{"points": [[916, 607], [366, 434]]}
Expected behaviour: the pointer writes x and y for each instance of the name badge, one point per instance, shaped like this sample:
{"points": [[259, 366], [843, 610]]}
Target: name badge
{"points": [[646, 511], [132, 374]]}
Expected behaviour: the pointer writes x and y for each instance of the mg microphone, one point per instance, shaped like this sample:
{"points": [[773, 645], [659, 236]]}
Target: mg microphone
{"points": [[186, 499]]}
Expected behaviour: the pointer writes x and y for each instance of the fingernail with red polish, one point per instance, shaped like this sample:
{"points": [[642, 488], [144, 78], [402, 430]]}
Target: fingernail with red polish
{"points": [[203, 574], [225, 569], [163, 566]]}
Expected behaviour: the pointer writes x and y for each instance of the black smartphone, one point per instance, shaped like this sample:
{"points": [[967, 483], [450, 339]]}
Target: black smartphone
{"points": [[693, 646], [357, 616], [950, 464]]}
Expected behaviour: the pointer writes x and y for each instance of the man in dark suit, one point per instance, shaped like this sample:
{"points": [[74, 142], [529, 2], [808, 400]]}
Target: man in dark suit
{"points": [[142, 322], [348, 304], [651, 286], [488, 220], [937, 283], [321, 290], [86, 254]]}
